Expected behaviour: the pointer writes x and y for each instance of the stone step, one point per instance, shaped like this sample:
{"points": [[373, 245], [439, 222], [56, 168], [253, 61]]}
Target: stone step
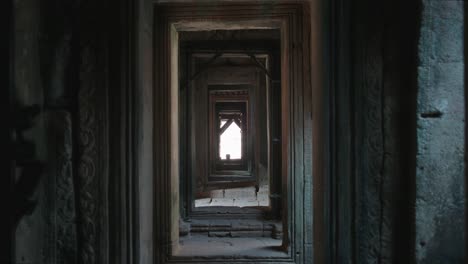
{"points": [[233, 228]]}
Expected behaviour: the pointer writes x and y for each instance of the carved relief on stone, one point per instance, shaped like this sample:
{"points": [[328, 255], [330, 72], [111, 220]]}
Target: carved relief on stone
{"points": [[86, 165], [92, 160], [66, 243]]}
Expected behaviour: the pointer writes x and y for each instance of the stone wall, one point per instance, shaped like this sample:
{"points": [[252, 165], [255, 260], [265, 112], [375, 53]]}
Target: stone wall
{"points": [[440, 192], [42, 55], [384, 86], [405, 136], [408, 74]]}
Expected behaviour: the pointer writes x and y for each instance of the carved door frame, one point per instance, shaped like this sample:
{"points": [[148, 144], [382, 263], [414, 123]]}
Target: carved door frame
{"points": [[134, 164], [293, 21]]}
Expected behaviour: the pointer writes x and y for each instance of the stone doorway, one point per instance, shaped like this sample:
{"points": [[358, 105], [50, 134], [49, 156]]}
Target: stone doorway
{"points": [[292, 23]]}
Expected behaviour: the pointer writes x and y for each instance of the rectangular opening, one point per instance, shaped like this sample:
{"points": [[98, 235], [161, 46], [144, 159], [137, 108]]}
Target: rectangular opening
{"points": [[231, 132], [225, 96], [230, 78], [177, 196]]}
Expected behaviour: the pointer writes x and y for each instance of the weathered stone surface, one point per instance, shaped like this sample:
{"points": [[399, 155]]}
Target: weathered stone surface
{"points": [[50, 230], [31, 237], [63, 191], [48, 236], [447, 29], [41, 59], [184, 228], [440, 169]]}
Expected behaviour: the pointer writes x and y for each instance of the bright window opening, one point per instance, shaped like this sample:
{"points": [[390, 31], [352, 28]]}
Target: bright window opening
{"points": [[230, 140]]}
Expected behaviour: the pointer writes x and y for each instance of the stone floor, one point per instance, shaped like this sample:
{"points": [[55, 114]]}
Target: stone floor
{"points": [[230, 247], [232, 228], [238, 197]]}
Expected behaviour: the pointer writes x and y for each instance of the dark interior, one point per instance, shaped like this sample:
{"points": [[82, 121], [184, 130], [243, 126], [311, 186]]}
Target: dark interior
{"points": [[231, 131]]}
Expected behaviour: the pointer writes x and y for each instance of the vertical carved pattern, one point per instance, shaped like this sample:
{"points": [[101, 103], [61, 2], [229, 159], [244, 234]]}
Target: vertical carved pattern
{"points": [[65, 214], [92, 135], [88, 155], [372, 153]]}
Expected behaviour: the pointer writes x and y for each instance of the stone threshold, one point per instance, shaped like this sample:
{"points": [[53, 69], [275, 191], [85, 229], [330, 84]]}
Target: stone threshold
{"points": [[232, 228]]}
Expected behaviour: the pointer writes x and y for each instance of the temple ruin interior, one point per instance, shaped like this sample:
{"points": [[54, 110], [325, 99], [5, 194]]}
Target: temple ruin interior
{"points": [[232, 131]]}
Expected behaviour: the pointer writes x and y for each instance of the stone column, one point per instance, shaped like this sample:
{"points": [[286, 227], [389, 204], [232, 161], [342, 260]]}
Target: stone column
{"points": [[440, 194]]}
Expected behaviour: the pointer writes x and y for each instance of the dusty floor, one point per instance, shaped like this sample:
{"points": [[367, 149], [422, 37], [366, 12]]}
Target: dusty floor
{"points": [[230, 247], [238, 197]]}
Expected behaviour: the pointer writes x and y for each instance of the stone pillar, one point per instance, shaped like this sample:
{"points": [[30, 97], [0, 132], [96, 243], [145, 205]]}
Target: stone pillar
{"points": [[61, 187], [440, 194]]}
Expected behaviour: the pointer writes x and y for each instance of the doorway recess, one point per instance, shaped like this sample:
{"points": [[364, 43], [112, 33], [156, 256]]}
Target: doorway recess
{"points": [[292, 22]]}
